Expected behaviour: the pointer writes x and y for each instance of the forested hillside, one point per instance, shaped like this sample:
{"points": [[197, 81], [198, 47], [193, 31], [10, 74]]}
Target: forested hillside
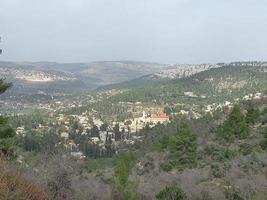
{"points": [[214, 85]]}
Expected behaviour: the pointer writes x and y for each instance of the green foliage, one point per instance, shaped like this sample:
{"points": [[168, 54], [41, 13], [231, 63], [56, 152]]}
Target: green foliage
{"points": [[166, 166], [104, 126], [124, 164], [217, 170], [171, 193], [231, 193], [30, 121], [235, 126], [33, 141], [164, 142], [7, 135], [117, 132], [6, 132], [108, 109], [4, 86], [5, 129], [246, 148], [95, 131], [217, 90], [98, 164], [263, 142], [252, 114], [218, 153], [123, 167], [182, 148]]}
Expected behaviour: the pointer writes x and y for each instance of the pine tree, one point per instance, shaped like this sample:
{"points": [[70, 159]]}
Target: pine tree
{"points": [[252, 114], [183, 148], [235, 126], [6, 132]]}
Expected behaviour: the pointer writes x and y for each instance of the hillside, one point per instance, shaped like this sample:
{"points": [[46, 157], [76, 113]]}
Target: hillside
{"points": [[214, 85], [170, 72], [50, 77]]}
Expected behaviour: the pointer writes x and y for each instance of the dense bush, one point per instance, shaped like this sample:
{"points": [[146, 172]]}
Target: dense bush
{"points": [[217, 170], [124, 164], [171, 193], [6, 137], [263, 142], [218, 153]]}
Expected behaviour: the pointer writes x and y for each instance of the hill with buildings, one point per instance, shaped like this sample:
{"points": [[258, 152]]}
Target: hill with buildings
{"points": [[228, 82], [50, 77]]}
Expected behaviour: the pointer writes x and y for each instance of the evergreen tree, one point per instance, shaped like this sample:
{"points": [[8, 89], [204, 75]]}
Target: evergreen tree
{"points": [[6, 132], [183, 148], [95, 132], [252, 114], [4, 86], [235, 126], [104, 127], [117, 132]]}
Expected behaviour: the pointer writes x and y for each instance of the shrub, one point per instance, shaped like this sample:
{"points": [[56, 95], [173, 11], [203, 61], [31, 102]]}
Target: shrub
{"points": [[218, 153], [217, 170], [171, 193], [124, 164], [166, 166], [246, 149], [263, 142], [231, 193]]}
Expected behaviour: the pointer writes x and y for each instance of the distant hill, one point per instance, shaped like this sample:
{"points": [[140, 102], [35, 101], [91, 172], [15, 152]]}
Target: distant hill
{"points": [[51, 77], [168, 73], [228, 82]]}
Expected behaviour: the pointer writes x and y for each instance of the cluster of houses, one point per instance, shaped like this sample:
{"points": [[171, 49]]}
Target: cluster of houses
{"points": [[85, 123]]}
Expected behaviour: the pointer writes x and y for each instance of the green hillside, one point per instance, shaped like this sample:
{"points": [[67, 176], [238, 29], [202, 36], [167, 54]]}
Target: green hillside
{"points": [[215, 85]]}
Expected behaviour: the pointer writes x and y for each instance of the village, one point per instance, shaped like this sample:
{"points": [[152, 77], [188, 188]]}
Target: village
{"points": [[99, 130]]}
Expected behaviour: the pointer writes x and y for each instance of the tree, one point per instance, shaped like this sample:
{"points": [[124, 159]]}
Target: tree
{"points": [[104, 127], [6, 136], [167, 110], [235, 126], [117, 132], [183, 148], [108, 145], [95, 131], [252, 114], [263, 142], [31, 141], [124, 164], [171, 193], [4, 86], [6, 132]]}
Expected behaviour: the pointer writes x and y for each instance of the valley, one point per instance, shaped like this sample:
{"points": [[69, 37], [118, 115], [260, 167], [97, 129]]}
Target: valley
{"points": [[140, 129]]}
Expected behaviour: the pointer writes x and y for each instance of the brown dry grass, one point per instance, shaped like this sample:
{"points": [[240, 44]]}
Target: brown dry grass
{"points": [[14, 186]]}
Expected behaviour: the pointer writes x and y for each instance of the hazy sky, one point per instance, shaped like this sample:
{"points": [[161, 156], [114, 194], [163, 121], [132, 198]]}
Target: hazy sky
{"points": [[167, 31]]}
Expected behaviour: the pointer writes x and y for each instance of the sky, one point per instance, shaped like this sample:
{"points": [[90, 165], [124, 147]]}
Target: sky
{"points": [[165, 31]]}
